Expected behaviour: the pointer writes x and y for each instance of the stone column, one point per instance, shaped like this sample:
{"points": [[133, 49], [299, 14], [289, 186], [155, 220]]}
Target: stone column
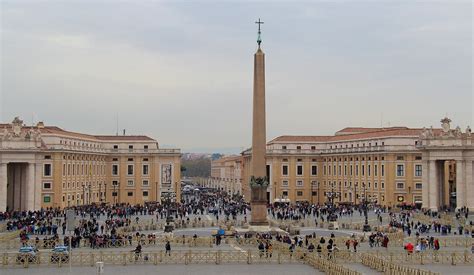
{"points": [[3, 187], [469, 185], [460, 184], [426, 185], [38, 190], [30, 187], [433, 191]]}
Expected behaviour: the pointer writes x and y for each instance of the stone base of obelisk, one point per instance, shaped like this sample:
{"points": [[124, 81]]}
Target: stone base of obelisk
{"points": [[259, 214]]}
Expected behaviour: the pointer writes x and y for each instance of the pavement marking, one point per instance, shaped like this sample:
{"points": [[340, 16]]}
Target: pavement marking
{"points": [[237, 248]]}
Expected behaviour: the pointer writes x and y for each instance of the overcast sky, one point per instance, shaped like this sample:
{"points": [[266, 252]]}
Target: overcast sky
{"points": [[181, 71]]}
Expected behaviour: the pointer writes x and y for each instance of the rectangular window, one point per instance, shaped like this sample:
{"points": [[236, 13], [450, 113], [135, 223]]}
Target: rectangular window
{"points": [[299, 183], [383, 170], [368, 170], [400, 185], [298, 147], [130, 169], [400, 158], [145, 183], [283, 147], [284, 193], [351, 170], [284, 170], [314, 170], [363, 170], [115, 168], [130, 183], [299, 193], [130, 194], [145, 193], [46, 185], [339, 170], [284, 183], [114, 194], [375, 185], [324, 170], [400, 170], [345, 170], [114, 183], [145, 169], [313, 147], [418, 170], [299, 170], [357, 170], [47, 170], [314, 193], [375, 170], [115, 147], [145, 148], [382, 185], [46, 198], [418, 185]]}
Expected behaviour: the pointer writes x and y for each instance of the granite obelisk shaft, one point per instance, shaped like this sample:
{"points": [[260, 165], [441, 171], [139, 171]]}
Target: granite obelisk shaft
{"points": [[258, 170]]}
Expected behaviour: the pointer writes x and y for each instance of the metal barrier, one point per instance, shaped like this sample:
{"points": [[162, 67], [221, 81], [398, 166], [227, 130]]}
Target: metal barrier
{"points": [[389, 268], [329, 267]]}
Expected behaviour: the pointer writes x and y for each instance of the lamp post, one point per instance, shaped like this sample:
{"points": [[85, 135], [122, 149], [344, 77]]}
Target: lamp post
{"points": [[366, 214], [89, 193], [100, 192], [105, 190], [355, 193], [83, 194], [331, 195]]}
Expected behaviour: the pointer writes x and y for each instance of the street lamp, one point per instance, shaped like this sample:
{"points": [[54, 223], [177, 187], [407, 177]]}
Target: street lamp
{"points": [[83, 194], [366, 214], [105, 194], [100, 192], [331, 195], [89, 193]]}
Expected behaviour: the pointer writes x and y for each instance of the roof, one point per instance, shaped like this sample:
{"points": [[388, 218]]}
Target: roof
{"points": [[111, 137], [367, 134], [353, 130], [59, 131]]}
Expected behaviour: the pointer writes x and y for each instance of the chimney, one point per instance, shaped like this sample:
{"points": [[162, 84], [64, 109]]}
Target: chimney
{"points": [[124, 132], [40, 125]]}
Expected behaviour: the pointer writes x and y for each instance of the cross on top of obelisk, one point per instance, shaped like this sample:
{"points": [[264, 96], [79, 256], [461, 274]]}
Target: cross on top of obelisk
{"points": [[259, 39]]}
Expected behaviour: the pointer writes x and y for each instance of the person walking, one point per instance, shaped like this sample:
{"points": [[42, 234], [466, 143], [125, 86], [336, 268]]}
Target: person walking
{"points": [[168, 248]]}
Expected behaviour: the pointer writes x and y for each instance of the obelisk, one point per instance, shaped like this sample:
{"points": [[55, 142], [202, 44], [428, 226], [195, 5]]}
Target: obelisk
{"points": [[258, 179]]}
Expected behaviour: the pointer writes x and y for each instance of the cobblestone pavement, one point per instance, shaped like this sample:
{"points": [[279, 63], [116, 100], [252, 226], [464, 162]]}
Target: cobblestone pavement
{"points": [[202, 269]]}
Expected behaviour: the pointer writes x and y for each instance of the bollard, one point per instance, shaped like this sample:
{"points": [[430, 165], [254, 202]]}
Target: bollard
{"points": [[100, 267]]}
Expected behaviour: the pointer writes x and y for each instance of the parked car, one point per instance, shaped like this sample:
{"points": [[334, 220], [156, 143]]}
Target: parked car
{"points": [[27, 253], [60, 253]]}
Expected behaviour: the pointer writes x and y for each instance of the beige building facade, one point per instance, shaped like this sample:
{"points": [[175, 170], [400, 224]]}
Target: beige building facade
{"points": [[226, 175], [453, 149], [383, 165], [46, 166]]}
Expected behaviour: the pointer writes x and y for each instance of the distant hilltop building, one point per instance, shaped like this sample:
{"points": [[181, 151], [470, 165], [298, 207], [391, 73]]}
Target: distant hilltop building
{"points": [[45, 166]]}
